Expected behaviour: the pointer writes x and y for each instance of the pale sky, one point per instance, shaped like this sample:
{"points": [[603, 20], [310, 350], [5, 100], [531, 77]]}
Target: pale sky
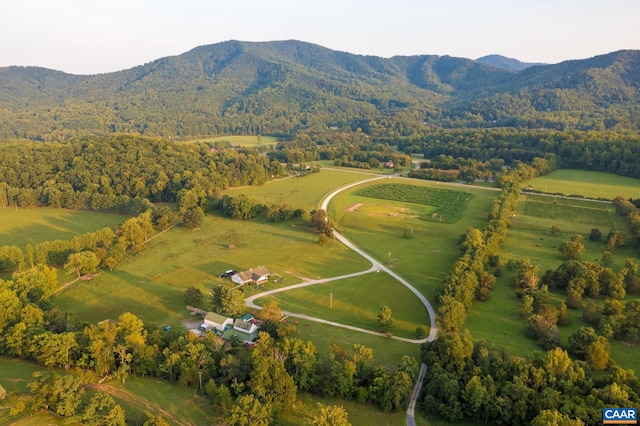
{"points": [[97, 36]]}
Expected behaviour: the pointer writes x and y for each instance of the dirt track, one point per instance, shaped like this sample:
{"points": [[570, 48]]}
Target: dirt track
{"points": [[136, 400]]}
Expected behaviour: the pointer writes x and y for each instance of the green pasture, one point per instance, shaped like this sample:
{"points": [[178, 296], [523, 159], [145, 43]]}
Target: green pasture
{"points": [[447, 205], [396, 209], [530, 231], [497, 320], [155, 395], [386, 351], [15, 374], [243, 140], [359, 414], [300, 192], [530, 236], [586, 183], [426, 258], [329, 164], [586, 212], [151, 284], [19, 227], [37, 418], [356, 301]]}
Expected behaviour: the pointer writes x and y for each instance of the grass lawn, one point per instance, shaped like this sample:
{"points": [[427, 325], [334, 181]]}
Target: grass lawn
{"points": [[447, 205], [359, 414], [179, 401], [31, 226], [426, 258], [356, 301], [300, 192], [38, 418], [385, 351], [497, 320], [243, 140], [586, 183], [151, 285], [15, 374]]}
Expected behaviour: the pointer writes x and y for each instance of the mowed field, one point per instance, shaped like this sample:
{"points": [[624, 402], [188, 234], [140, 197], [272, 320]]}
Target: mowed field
{"points": [[151, 285], [19, 227], [586, 183], [301, 192], [356, 301], [426, 257], [529, 236]]}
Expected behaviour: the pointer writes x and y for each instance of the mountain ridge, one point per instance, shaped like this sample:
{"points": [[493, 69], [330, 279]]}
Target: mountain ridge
{"points": [[286, 86], [509, 64]]}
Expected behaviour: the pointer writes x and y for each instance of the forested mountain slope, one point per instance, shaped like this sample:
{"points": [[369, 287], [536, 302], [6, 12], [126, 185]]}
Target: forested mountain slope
{"points": [[509, 64], [281, 87]]}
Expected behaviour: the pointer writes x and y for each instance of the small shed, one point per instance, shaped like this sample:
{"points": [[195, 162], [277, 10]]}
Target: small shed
{"points": [[219, 322]]}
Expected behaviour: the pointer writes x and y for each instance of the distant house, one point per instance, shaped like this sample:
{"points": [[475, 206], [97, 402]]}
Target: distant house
{"points": [[387, 165], [217, 321], [248, 327], [257, 275]]}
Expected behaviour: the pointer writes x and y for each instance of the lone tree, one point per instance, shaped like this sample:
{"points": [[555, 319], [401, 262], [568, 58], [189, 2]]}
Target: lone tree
{"points": [[384, 319], [193, 296], [193, 218], [83, 262], [321, 223]]}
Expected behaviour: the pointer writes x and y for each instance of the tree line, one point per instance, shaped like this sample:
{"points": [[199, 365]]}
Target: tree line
{"points": [[479, 381], [610, 152]]}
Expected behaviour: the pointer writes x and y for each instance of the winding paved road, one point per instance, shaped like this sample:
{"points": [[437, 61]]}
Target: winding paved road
{"points": [[375, 267]]}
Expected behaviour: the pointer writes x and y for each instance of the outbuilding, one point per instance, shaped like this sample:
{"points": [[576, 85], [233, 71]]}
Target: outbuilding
{"points": [[216, 321]]}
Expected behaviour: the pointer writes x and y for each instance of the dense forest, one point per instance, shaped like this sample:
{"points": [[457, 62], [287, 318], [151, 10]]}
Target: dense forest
{"points": [[280, 88]]}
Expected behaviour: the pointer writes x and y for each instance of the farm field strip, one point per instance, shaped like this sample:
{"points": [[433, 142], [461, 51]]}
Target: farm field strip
{"points": [[22, 226], [586, 183]]}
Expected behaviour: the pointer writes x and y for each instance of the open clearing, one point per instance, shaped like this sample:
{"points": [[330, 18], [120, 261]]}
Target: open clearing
{"points": [[151, 285], [356, 301], [427, 257], [400, 211], [447, 205], [586, 183], [19, 227], [300, 192]]}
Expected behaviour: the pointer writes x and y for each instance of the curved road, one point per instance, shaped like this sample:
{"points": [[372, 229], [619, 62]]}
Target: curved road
{"points": [[376, 266]]}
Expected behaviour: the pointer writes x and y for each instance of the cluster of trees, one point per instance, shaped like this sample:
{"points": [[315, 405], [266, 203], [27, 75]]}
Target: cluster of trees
{"points": [[347, 149], [477, 381], [270, 374], [583, 281], [244, 207], [111, 173], [599, 151], [448, 169], [631, 213]]}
